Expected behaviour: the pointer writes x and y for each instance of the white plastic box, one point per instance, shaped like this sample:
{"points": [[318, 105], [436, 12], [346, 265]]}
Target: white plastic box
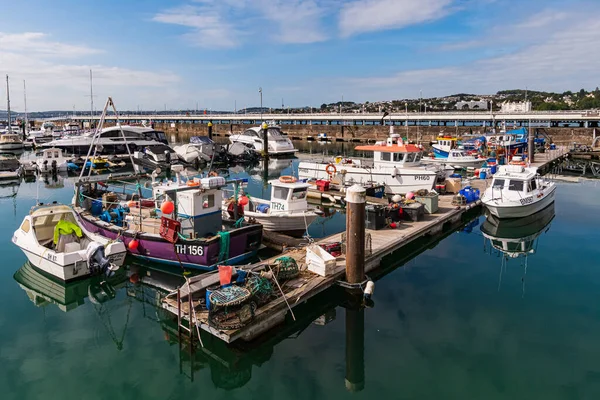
{"points": [[319, 261]]}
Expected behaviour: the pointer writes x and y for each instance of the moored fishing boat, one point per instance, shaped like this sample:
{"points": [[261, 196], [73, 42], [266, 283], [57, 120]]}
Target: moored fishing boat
{"points": [[457, 159], [396, 165], [11, 141], [286, 212], [189, 231], [517, 191], [55, 243]]}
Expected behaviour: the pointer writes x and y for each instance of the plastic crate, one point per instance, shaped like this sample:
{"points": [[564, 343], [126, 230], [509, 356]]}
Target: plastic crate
{"points": [[322, 185], [430, 201], [413, 211]]}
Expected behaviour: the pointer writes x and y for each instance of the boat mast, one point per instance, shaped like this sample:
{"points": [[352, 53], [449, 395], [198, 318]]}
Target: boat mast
{"points": [[25, 99], [8, 105], [91, 100]]}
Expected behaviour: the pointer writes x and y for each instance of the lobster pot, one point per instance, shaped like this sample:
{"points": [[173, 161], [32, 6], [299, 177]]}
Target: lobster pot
{"points": [[213, 182]]}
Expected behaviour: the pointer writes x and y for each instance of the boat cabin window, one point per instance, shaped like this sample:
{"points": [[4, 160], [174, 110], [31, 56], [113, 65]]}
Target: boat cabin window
{"points": [[276, 133], [250, 132], [516, 185], [385, 157], [410, 157], [25, 226], [498, 183], [532, 185], [208, 201], [398, 157], [111, 134], [418, 157], [299, 194], [158, 136], [280, 193]]}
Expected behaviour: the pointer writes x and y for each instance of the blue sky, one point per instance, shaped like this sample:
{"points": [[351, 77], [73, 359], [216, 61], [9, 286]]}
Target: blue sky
{"points": [[219, 52]]}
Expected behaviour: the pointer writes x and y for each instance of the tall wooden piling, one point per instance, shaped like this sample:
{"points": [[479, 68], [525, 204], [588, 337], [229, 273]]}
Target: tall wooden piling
{"points": [[265, 130], [356, 198], [210, 128]]}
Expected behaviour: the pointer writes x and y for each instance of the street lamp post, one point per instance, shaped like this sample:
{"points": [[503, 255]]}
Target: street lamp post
{"points": [[261, 108]]}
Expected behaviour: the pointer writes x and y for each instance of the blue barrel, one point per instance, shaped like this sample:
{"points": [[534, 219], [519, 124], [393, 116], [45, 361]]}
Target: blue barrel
{"points": [[482, 174], [493, 169], [208, 293], [96, 207]]}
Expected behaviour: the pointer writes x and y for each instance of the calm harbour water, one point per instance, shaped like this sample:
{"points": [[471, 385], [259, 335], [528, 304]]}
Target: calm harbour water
{"points": [[449, 323]]}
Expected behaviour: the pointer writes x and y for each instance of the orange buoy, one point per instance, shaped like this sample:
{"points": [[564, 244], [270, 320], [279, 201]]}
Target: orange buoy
{"points": [[167, 207], [133, 245], [135, 278], [243, 201], [192, 182], [287, 179]]}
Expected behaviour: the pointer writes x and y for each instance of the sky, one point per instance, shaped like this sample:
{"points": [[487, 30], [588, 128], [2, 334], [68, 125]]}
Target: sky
{"points": [[216, 54]]}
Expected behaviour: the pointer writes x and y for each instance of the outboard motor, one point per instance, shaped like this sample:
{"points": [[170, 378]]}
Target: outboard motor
{"points": [[54, 167], [97, 261], [45, 165], [167, 156]]}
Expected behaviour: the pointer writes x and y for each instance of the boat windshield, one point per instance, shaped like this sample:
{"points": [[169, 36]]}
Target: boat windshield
{"points": [[299, 194], [516, 185], [410, 157], [498, 183], [398, 157], [274, 133], [280, 193]]}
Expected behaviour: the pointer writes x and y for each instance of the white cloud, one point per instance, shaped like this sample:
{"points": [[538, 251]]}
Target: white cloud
{"points": [[561, 61], [208, 27], [38, 44], [53, 83], [228, 23], [374, 15]]}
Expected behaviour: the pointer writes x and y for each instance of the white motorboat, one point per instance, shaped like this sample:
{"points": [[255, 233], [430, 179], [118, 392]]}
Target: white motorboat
{"points": [[286, 212], [395, 165], [199, 149], [517, 192], [10, 168], [457, 159], [254, 137], [156, 156], [11, 141], [111, 141], [55, 243], [52, 161]]}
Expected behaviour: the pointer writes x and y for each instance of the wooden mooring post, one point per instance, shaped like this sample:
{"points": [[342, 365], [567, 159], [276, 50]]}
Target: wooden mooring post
{"points": [[356, 198]]}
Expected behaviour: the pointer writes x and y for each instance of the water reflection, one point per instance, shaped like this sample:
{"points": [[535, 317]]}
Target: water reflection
{"points": [[515, 238]]}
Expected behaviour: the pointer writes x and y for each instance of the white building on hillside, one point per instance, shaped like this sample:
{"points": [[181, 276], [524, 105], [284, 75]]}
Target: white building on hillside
{"points": [[517, 107], [472, 105]]}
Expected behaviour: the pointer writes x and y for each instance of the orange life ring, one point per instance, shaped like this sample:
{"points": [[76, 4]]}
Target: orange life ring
{"points": [[330, 169], [287, 179], [192, 182]]}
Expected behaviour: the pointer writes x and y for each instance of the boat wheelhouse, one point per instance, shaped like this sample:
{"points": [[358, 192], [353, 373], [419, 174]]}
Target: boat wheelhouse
{"points": [[11, 141], [442, 146]]}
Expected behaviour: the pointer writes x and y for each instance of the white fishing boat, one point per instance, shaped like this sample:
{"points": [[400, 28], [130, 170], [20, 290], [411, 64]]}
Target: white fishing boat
{"points": [[10, 141], [395, 164], [254, 137], [286, 212], [457, 159], [55, 243], [517, 192], [53, 161]]}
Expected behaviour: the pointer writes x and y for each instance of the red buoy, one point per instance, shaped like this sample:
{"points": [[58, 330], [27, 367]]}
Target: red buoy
{"points": [[134, 244], [243, 201], [167, 207]]}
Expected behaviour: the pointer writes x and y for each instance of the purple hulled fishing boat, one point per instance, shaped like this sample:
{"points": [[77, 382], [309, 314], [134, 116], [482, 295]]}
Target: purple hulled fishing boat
{"points": [[193, 234]]}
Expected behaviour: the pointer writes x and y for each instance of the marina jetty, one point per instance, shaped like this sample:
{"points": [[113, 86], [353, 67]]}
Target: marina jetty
{"points": [[565, 127], [360, 257]]}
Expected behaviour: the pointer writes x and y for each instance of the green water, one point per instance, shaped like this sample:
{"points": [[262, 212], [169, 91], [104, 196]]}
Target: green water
{"points": [[448, 323]]}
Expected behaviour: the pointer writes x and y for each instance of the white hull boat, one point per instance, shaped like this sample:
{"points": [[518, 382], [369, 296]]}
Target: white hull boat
{"points": [[55, 243], [395, 165], [253, 137], [11, 141], [518, 192], [457, 159], [201, 150], [286, 212], [52, 161]]}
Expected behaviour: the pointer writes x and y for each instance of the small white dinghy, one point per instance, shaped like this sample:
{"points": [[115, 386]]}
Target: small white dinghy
{"points": [[287, 212], [56, 244], [457, 159], [518, 192]]}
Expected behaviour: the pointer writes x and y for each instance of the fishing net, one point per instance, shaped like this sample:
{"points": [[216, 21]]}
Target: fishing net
{"points": [[229, 296], [223, 246], [285, 268], [260, 287], [235, 317]]}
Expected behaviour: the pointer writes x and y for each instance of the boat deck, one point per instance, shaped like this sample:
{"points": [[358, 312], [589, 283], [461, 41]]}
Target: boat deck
{"points": [[308, 284]]}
